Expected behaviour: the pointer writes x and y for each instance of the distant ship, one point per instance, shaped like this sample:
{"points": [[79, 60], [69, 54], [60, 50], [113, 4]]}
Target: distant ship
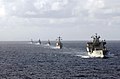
{"points": [[31, 41], [39, 41], [97, 48], [48, 43], [36, 42], [59, 45]]}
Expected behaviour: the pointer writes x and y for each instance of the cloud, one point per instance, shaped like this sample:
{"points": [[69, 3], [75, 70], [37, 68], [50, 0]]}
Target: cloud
{"points": [[60, 11], [2, 9], [66, 16], [93, 6], [40, 8]]}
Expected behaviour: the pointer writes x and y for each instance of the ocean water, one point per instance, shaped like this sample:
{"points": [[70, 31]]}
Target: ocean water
{"points": [[22, 60]]}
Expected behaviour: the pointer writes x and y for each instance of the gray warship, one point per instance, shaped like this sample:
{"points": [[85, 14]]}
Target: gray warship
{"points": [[59, 45], [48, 43], [35, 42], [97, 48], [39, 41]]}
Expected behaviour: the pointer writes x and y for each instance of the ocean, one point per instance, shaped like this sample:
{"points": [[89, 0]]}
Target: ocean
{"points": [[22, 60]]}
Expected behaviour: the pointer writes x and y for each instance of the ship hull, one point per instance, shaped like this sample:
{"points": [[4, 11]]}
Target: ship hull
{"points": [[98, 53], [47, 44], [59, 47]]}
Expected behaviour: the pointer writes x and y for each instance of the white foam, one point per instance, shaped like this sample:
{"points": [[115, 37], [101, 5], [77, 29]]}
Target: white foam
{"points": [[87, 56], [83, 56], [52, 47], [30, 43], [37, 43]]}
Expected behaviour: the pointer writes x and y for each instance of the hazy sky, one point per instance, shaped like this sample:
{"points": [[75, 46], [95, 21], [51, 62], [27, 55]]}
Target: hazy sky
{"points": [[47, 19]]}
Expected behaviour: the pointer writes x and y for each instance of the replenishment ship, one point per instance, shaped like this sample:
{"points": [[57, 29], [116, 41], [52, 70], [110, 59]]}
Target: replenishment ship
{"points": [[97, 48]]}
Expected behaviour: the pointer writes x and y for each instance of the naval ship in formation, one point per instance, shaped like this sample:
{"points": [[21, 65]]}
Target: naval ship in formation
{"points": [[48, 43], [59, 44], [35, 42], [97, 48]]}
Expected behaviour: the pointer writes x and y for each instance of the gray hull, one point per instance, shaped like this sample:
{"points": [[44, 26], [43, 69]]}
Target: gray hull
{"points": [[98, 53]]}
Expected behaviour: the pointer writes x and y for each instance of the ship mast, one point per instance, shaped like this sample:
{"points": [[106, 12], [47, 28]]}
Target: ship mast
{"points": [[59, 39], [96, 39]]}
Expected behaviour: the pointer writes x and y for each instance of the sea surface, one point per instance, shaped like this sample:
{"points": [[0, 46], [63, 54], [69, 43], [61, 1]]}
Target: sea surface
{"points": [[23, 60]]}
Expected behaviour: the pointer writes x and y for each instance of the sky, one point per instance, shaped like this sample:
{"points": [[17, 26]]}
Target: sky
{"points": [[22, 20]]}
